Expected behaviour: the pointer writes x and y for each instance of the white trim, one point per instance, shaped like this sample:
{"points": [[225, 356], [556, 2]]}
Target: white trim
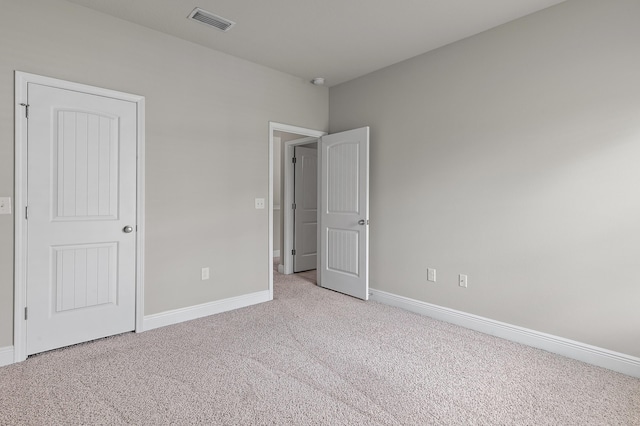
{"points": [[288, 197], [198, 311], [141, 215], [273, 126], [20, 226], [622, 363], [6, 355]]}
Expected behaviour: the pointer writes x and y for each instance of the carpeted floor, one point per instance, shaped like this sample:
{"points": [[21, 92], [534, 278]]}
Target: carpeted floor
{"points": [[312, 357]]}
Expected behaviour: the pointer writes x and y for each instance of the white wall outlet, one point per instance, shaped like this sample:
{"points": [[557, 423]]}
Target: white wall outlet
{"points": [[462, 280], [431, 274], [5, 205], [205, 274], [259, 203]]}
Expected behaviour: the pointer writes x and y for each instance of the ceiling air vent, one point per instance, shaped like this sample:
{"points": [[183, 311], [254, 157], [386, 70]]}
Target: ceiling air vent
{"points": [[210, 19]]}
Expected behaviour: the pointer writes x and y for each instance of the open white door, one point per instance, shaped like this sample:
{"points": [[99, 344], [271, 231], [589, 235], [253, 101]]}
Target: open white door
{"points": [[306, 209], [344, 212]]}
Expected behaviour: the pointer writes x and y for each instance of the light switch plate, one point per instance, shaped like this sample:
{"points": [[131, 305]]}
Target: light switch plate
{"points": [[259, 203], [205, 274], [5, 205]]}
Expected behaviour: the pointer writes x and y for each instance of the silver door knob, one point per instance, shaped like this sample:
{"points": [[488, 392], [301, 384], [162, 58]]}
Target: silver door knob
{"points": [[361, 222], [127, 229]]}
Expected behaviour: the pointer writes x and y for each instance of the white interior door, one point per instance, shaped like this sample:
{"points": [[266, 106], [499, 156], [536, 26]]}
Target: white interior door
{"points": [[81, 196], [344, 212], [306, 209]]}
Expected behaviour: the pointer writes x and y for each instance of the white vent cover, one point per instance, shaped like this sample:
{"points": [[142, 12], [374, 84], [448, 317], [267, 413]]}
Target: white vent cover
{"points": [[210, 19]]}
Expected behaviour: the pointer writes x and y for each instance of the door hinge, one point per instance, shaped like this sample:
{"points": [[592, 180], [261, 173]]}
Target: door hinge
{"points": [[293, 206], [25, 313], [294, 160], [293, 252], [26, 110]]}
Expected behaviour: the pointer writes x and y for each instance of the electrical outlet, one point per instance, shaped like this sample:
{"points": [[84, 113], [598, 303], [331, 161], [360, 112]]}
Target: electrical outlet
{"points": [[5, 205], [463, 280], [205, 274], [259, 203], [431, 274]]}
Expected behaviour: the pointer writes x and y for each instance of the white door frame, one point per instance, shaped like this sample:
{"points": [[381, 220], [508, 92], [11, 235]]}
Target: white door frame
{"points": [[20, 176], [273, 126], [287, 200]]}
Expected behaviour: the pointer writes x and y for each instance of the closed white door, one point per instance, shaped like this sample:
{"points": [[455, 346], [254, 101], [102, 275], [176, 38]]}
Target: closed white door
{"points": [[306, 209], [344, 212], [81, 191]]}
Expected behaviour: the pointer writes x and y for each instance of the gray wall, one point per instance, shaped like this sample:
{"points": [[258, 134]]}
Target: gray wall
{"points": [[513, 157], [207, 143]]}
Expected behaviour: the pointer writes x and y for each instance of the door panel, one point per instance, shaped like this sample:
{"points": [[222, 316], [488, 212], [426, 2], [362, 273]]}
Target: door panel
{"points": [[343, 251], [344, 212], [85, 169], [342, 178], [306, 213], [81, 194], [84, 275]]}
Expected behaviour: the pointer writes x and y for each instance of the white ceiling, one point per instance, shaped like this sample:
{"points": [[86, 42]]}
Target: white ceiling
{"points": [[336, 39]]}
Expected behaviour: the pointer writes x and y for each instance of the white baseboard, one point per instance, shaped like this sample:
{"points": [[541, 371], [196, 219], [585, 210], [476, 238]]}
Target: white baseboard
{"points": [[276, 253], [281, 268], [193, 312], [6, 355], [622, 363]]}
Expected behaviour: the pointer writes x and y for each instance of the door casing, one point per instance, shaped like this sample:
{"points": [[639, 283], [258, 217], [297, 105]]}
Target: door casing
{"points": [[22, 79]]}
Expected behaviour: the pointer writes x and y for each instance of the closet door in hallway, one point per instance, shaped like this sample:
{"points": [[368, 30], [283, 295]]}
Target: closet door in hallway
{"points": [[306, 209]]}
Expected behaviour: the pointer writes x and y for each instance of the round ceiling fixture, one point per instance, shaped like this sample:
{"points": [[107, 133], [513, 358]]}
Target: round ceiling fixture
{"points": [[318, 81]]}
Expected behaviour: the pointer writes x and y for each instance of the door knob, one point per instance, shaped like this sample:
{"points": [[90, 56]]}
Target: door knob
{"points": [[361, 222], [127, 229]]}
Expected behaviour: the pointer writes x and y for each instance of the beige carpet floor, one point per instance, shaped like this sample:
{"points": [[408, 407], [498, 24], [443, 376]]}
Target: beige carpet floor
{"points": [[312, 357]]}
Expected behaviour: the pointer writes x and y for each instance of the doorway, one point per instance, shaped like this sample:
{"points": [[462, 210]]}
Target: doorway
{"points": [[282, 137], [299, 199], [342, 209]]}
